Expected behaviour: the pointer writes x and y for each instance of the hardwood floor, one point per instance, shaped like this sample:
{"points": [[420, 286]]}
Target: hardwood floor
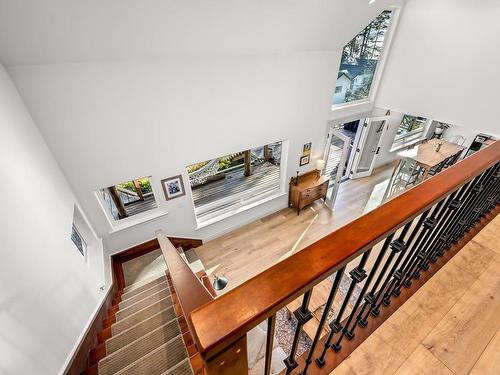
{"points": [[449, 326], [252, 248]]}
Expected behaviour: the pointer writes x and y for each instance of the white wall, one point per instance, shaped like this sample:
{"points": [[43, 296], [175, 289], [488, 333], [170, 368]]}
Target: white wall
{"points": [[47, 291], [443, 65], [108, 122]]}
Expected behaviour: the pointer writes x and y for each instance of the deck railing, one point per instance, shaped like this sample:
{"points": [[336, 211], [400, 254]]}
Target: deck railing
{"points": [[385, 255]]}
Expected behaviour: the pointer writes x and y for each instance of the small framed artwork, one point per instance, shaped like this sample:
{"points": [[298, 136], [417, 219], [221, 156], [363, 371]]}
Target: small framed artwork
{"points": [[307, 149], [173, 187], [304, 160]]}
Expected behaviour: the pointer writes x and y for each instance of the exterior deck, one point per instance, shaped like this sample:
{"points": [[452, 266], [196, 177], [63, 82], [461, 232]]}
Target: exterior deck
{"points": [[264, 177]]}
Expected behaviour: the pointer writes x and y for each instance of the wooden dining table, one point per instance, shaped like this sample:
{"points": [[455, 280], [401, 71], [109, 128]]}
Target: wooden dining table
{"points": [[427, 157]]}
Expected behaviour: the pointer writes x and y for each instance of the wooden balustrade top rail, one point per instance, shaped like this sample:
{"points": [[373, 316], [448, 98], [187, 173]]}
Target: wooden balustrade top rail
{"points": [[224, 320], [190, 291]]}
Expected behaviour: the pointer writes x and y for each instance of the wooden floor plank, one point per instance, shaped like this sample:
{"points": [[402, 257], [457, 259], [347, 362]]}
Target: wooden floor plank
{"points": [[489, 362], [246, 251], [422, 362], [447, 326], [465, 331]]}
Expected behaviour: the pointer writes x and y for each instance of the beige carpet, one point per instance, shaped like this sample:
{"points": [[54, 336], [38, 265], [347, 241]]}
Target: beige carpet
{"points": [[146, 267]]}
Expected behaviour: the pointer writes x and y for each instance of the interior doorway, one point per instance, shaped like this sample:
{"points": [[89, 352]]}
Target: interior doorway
{"points": [[368, 141], [351, 151]]}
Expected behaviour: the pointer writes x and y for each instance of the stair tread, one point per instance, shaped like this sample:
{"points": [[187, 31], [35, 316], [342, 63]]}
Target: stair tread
{"points": [[140, 304], [191, 256], [182, 368], [139, 348], [141, 315], [140, 329], [140, 295], [158, 361], [130, 288]]}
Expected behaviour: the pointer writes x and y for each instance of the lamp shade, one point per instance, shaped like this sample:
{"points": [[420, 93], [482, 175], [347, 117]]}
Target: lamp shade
{"points": [[320, 164], [220, 282]]}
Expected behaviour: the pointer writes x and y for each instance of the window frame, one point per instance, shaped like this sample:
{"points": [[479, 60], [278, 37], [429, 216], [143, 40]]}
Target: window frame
{"points": [[407, 139], [246, 199], [130, 221], [342, 109]]}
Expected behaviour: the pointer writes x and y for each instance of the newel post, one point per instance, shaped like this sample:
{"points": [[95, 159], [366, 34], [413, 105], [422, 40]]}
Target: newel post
{"points": [[232, 360]]}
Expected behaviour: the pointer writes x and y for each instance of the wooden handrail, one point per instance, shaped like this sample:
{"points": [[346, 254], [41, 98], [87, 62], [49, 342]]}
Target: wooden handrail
{"points": [[225, 320], [191, 293]]}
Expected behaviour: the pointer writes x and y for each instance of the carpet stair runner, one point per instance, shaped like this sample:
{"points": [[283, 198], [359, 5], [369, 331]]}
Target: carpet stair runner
{"points": [[145, 333]]}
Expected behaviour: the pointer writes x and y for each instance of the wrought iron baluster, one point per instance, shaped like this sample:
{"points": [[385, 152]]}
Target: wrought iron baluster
{"points": [[303, 315], [451, 207], [487, 198], [422, 262], [349, 332], [370, 296], [427, 224], [271, 324], [358, 274], [461, 206], [427, 228], [333, 291], [406, 256], [461, 220], [397, 246]]}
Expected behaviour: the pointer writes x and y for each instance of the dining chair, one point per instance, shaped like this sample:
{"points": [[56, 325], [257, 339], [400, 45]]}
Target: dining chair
{"points": [[438, 168], [452, 159], [408, 173]]}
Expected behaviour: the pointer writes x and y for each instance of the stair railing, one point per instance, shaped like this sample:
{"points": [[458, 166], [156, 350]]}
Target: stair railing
{"points": [[377, 260], [189, 290]]}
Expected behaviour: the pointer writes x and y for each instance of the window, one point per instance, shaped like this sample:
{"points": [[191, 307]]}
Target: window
{"points": [[129, 198], [78, 240], [229, 183], [359, 60], [411, 128], [338, 89]]}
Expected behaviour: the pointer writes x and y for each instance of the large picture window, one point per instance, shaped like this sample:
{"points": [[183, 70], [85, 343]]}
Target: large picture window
{"points": [[359, 62], [229, 182]]}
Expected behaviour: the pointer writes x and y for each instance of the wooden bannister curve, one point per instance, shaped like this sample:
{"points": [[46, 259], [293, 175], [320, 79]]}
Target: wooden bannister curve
{"points": [[223, 321]]}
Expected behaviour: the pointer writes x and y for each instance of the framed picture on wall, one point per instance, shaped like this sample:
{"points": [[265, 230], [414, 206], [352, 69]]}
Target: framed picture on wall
{"points": [[304, 160], [173, 187], [307, 149]]}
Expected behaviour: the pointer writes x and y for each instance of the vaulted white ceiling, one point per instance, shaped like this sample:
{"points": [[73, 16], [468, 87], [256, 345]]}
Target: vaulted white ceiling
{"points": [[58, 31]]}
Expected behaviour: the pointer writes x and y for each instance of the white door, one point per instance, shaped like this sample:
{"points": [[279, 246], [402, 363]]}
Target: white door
{"points": [[367, 147], [337, 149]]}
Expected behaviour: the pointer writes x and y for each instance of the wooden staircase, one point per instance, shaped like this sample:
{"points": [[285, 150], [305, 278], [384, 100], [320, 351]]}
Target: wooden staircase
{"points": [[145, 332]]}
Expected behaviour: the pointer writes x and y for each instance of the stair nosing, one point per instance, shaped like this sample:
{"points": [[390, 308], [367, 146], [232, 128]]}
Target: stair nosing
{"points": [[119, 351], [152, 352], [137, 312], [144, 291], [148, 296]]}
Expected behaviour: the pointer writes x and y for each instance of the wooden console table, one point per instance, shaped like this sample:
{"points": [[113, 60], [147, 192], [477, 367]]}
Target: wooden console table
{"points": [[309, 188]]}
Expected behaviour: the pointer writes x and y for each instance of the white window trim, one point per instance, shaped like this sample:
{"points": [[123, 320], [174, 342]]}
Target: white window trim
{"points": [[131, 221], [241, 208], [379, 70], [246, 200]]}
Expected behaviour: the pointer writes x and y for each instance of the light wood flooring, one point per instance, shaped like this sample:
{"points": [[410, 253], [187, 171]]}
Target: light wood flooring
{"points": [[449, 326], [252, 248]]}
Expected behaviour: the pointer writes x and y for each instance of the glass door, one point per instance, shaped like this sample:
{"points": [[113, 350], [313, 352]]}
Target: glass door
{"points": [[367, 146], [336, 153]]}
